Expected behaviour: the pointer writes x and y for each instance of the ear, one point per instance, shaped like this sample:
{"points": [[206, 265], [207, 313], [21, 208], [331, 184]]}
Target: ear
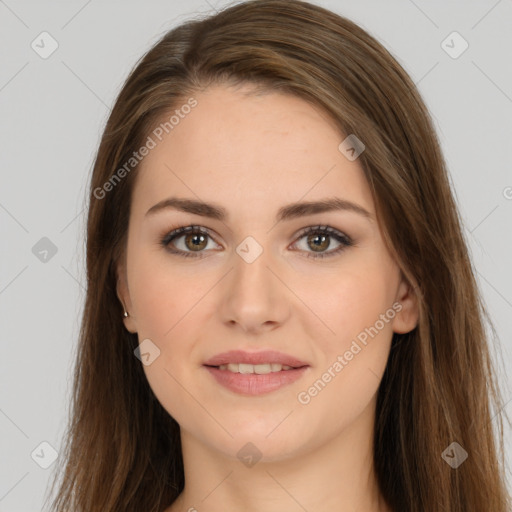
{"points": [[123, 294], [406, 318]]}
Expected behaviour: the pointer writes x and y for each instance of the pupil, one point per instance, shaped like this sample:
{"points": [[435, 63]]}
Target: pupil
{"points": [[318, 240], [197, 240]]}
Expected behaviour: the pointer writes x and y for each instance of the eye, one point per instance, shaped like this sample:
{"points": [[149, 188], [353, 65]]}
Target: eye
{"points": [[195, 240], [320, 238]]}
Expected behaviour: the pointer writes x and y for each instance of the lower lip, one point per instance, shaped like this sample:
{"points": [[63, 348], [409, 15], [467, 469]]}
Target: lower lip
{"points": [[253, 383]]}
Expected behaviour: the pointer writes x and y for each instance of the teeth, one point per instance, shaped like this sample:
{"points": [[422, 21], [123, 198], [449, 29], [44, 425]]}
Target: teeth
{"points": [[260, 369], [245, 368]]}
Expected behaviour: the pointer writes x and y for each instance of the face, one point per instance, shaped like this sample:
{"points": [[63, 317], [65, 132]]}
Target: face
{"points": [[308, 298]]}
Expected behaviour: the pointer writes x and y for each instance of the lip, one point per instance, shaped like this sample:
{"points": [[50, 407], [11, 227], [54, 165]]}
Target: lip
{"points": [[252, 383], [265, 356]]}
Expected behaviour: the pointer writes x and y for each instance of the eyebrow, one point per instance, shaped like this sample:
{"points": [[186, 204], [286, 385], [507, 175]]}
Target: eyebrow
{"points": [[288, 212]]}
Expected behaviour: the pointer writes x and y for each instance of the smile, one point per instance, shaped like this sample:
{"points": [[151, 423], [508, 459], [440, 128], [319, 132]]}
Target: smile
{"points": [[260, 369], [255, 373]]}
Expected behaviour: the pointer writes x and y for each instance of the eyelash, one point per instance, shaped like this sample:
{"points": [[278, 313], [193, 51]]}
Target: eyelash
{"points": [[344, 240]]}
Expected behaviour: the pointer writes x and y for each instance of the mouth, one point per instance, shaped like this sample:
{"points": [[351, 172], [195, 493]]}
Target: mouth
{"points": [[260, 369], [255, 373]]}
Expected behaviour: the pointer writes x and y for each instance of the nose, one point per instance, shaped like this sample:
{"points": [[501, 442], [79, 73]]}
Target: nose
{"points": [[254, 296]]}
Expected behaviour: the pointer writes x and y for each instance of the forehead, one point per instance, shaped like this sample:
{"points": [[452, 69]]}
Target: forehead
{"points": [[262, 148]]}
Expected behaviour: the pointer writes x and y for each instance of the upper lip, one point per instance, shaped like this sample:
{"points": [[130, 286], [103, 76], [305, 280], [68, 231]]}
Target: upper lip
{"points": [[265, 356]]}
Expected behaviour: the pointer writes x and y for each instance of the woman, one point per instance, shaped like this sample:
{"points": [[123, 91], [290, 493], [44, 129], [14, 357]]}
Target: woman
{"points": [[281, 312]]}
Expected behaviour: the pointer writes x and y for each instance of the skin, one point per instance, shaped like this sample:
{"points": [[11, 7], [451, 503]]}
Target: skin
{"points": [[253, 154]]}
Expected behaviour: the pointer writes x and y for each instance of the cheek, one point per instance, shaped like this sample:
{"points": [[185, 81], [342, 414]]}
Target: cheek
{"points": [[160, 295], [347, 304], [164, 307], [358, 308], [353, 361], [168, 305]]}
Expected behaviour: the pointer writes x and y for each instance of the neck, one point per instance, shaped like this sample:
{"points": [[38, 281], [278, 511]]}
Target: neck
{"points": [[338, 475]]}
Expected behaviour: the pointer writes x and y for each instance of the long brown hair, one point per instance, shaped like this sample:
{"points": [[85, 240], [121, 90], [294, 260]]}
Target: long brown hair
{"points": [[122, 449]]}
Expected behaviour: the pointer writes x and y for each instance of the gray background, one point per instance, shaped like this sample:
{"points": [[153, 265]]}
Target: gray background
{"points": [[52, 113]]}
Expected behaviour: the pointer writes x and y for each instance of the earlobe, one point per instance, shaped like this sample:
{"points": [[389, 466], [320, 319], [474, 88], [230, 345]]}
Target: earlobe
{"points": [[123, 295], [407, 317], [129, 323]]}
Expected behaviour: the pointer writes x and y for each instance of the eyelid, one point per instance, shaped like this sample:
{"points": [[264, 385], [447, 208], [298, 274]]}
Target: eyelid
{"points": [[176, 233], [343, 239], [323, 228]]}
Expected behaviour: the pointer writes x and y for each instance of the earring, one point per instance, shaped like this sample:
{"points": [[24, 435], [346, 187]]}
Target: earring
{"points": [[125, 314]]}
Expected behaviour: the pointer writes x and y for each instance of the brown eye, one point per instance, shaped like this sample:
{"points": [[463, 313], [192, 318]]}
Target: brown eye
{"points": [[187, 241], [320, 238], [318, 242], [195, 241]]}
